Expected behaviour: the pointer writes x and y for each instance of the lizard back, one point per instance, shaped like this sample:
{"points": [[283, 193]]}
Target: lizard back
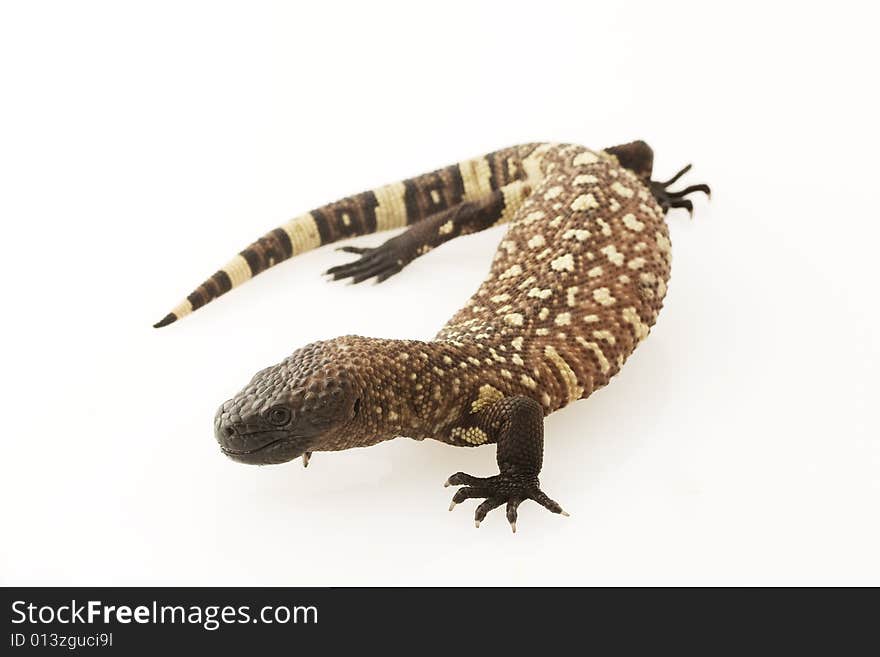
{"points": [[575, 285]]}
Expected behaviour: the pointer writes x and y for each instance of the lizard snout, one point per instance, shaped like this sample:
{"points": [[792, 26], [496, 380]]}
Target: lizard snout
{"points": [[237, 436], [254, 442]]}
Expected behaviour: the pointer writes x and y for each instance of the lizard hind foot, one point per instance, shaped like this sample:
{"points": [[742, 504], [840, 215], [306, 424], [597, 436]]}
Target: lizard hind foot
{"points": [[668, 198], [382, 262]]}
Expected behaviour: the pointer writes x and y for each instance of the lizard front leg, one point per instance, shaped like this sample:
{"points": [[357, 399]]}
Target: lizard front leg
{"points": [[516, 424], [468, 217]]}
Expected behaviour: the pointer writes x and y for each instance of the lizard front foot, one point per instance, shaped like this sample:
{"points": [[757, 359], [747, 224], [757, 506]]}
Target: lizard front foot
{"points": [[512, 488], [517, 424]]}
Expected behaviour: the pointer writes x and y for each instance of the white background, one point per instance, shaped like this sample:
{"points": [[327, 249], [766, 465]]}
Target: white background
{"points": [[144, 144]]}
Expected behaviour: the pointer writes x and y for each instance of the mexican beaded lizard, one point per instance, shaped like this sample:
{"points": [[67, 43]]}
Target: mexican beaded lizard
{"points": [[576, 283]]}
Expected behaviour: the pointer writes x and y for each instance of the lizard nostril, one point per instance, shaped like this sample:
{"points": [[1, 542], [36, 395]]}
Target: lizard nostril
{"points": [[229, 431]]}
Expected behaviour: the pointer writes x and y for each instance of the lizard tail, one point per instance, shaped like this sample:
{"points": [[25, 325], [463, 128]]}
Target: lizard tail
{"points": [[296, 236], [384, 208]]}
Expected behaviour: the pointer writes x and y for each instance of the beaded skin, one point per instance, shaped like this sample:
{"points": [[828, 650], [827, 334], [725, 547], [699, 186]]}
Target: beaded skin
{"points": [[576, 284]]}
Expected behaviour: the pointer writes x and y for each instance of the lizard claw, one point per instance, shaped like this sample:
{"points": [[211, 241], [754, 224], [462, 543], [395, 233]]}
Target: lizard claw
{"points": [[359, 250]]}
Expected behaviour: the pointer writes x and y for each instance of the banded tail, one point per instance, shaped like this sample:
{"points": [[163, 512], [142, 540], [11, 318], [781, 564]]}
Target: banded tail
{"points": [[385, 208]]}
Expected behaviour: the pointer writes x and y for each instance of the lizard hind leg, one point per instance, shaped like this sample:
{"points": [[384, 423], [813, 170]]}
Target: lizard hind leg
{"points": [[517, 425], [394, 254]]}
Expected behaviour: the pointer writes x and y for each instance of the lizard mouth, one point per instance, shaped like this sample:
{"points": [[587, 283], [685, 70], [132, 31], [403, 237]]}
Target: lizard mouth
{"points": [[276, 450], [255, 450]]}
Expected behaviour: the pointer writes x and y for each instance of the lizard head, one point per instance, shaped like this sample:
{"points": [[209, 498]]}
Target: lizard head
{"points": [[636, 156], [306, 402]]}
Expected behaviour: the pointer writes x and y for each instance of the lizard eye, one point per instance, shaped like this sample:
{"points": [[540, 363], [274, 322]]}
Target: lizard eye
{"points": [[278, 415], [357, 407]]}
